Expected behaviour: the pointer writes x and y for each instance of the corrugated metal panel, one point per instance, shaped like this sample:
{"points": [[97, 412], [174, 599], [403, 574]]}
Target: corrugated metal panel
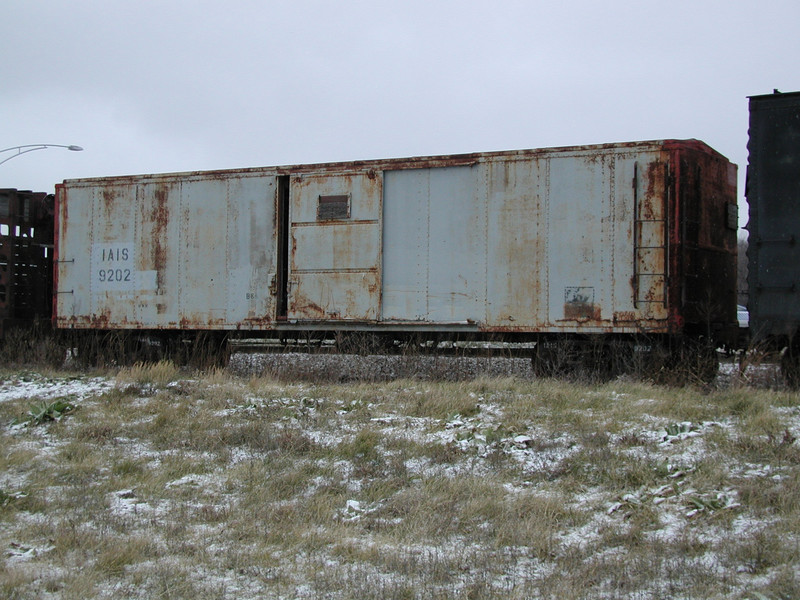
{"points": [[773, 193]]}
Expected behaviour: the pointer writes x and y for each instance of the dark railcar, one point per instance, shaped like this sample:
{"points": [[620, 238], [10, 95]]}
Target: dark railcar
{"points": [[773, 193], [26, 258]]}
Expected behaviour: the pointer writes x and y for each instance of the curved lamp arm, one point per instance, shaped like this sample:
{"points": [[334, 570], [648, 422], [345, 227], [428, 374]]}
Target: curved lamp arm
{"points": [[31, 147]]}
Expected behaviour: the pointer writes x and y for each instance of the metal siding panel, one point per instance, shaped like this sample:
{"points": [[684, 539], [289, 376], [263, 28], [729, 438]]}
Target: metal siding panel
{"points": [[363, 187], [457, 245], [199, 251], [575, 230], [73, 296], [435, 245], [251, 251], [405, 245], [113, 231], [336, 296], [517, 247], [336, 248], [202, 296], [623, 212], [551, 250], [578, 250], [157, 275]]}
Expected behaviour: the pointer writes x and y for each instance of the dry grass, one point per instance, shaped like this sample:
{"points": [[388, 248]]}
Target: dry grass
{"points": [[166, 484]]}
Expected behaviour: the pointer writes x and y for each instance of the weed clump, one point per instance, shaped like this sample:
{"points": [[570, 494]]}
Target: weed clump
{"points": [[44, 411], [143, 374]]}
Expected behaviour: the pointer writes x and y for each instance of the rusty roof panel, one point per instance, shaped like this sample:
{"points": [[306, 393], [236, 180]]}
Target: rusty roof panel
{"points": [[416, 162]]}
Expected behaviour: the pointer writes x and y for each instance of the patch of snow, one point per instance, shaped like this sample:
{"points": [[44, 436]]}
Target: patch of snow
{"points": [[126, 502], [17, 553], [37, 387], [193, 480]]}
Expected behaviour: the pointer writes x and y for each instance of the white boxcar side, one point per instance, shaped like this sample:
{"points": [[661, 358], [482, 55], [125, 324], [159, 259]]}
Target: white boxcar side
{"points": [[619, 238]]}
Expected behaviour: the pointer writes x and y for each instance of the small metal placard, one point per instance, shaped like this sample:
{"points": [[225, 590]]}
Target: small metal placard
{"points": [[331, 208]]}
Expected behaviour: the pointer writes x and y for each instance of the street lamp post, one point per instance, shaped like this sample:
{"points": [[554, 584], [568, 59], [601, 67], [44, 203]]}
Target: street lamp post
{"points": [[31, 147]]}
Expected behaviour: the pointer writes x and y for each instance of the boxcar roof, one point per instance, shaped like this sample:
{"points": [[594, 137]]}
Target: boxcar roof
{"points": [[416, 162]]}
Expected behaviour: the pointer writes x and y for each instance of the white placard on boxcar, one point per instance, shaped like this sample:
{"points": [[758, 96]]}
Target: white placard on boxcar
{"points": [[112, 267]]}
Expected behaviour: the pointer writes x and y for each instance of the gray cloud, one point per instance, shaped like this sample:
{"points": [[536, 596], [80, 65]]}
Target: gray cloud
{"points": [[171, 86]]}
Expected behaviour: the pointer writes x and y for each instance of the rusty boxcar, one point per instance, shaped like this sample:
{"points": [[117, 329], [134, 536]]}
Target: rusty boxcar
{"points": [[773, 195], [549, 245]]}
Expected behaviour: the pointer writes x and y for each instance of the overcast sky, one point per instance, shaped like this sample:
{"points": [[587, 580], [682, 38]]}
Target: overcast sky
{"points": [[161, 86]]}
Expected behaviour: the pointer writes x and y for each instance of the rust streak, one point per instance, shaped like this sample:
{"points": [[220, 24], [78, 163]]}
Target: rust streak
{"points": [[160, 217], [581, 311]]}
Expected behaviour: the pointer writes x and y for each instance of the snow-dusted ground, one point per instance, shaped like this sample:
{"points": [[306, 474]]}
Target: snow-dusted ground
{"points": [[32, 385], [695, 501]]}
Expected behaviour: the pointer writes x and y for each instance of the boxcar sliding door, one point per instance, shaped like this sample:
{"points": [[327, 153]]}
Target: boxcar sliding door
{"points": [[334, 246]]}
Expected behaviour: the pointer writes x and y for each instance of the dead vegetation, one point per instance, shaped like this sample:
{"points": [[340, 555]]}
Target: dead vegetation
{"points": [[167, 483]]}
